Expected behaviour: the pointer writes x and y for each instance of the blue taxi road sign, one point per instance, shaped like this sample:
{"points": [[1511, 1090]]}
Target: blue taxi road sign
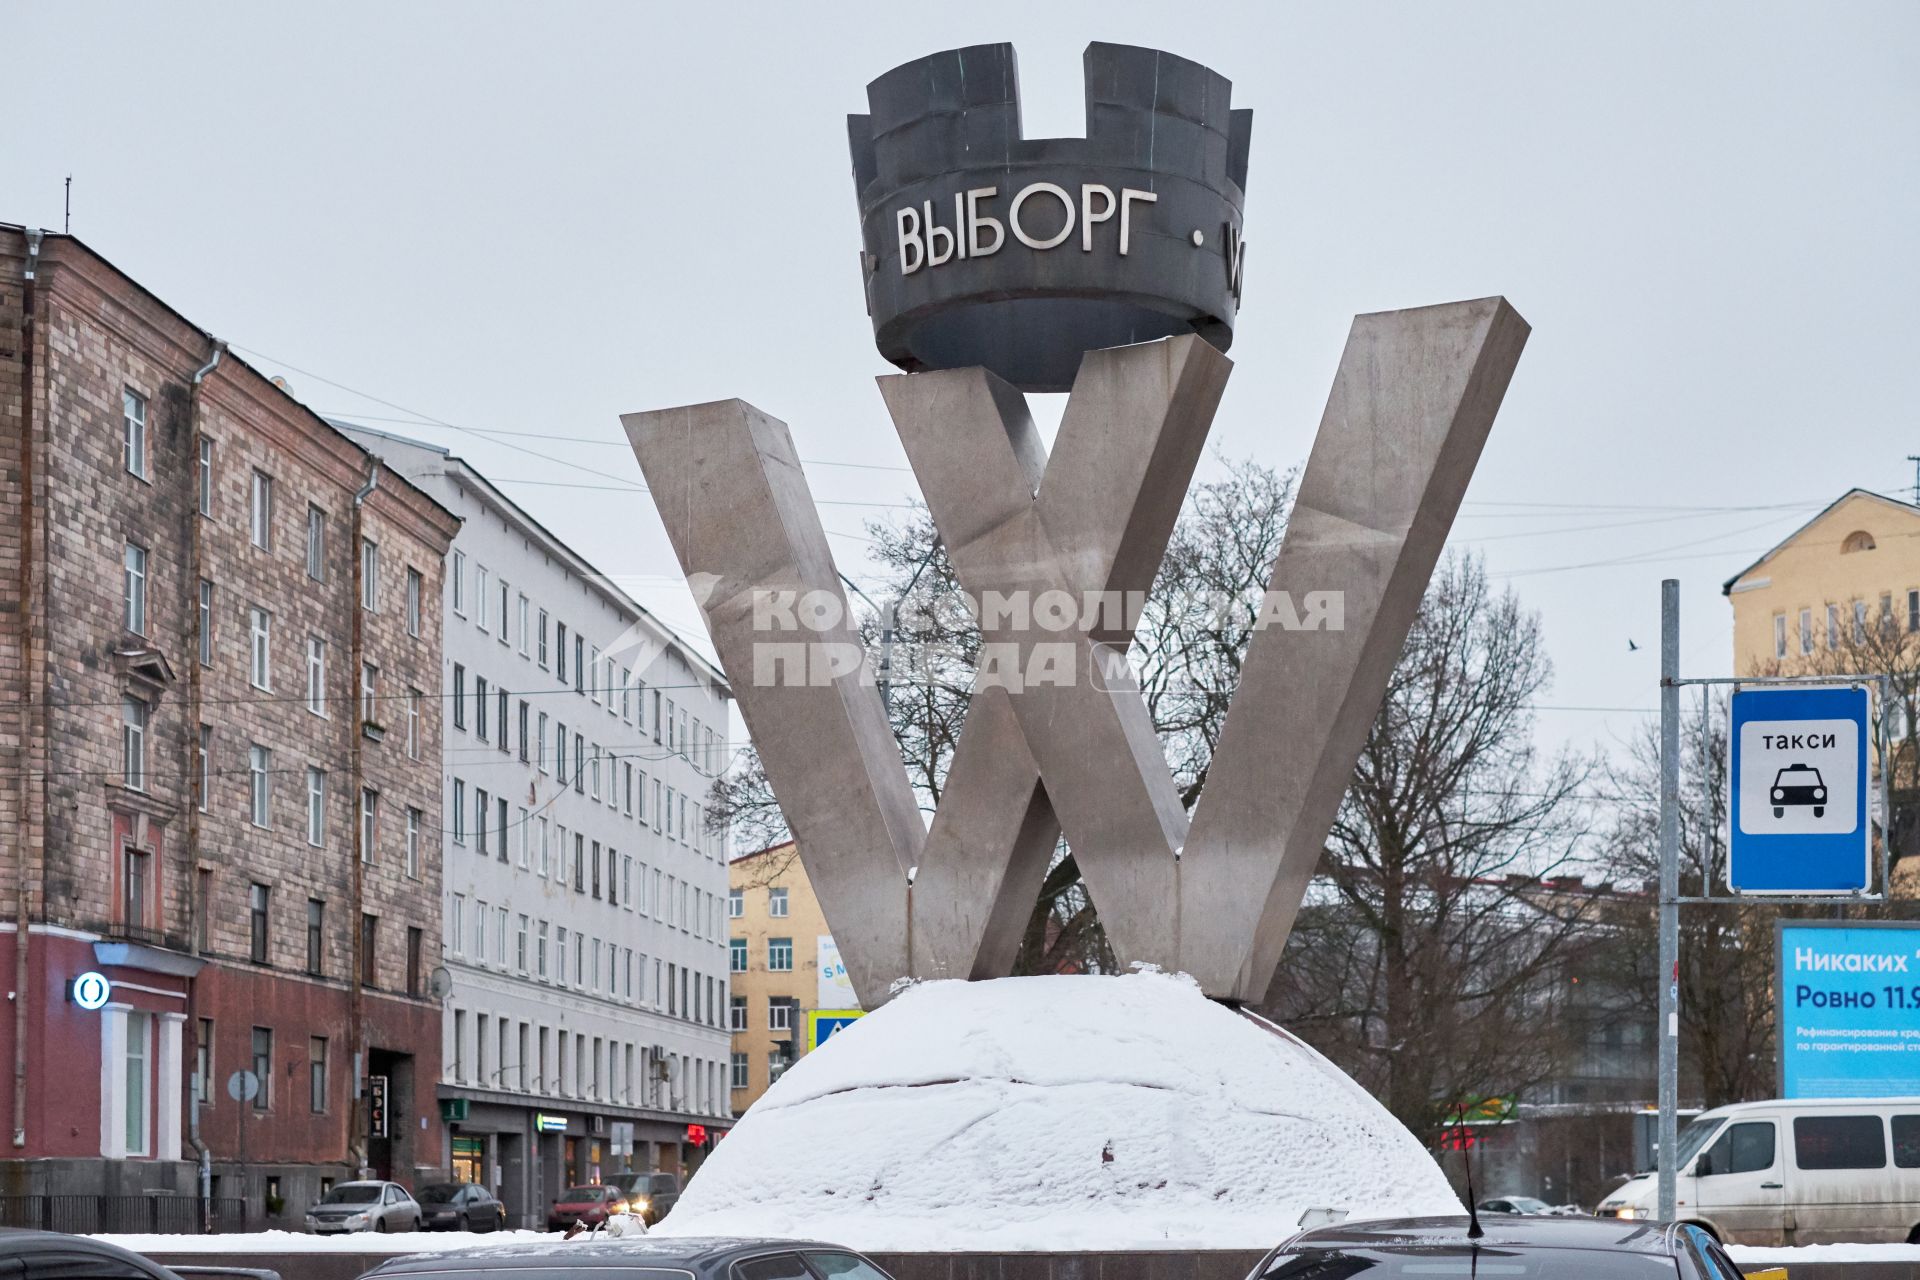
{"points": [[1799, 820]]}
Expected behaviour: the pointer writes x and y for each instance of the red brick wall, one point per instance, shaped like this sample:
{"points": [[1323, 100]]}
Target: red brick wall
{"points": [[98, 332]]}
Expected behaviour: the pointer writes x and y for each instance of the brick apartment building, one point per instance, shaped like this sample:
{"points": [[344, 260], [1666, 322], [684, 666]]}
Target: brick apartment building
{"points": [[220, 642]]}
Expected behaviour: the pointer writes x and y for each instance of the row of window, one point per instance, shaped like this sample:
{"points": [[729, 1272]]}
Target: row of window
{"points": [[540, 846], [1838, 620], [1819, 1142], [529, 1058], [779, 955], [260, 1063], [778, 1060], [777, 903], [604, 776], [483, 939], [596, 676], [366, 945], [783, 1013]]}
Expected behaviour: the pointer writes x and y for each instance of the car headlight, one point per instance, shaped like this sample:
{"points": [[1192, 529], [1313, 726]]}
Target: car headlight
{"points": [[641, 1203], [1819, 793], [357, 1218], [1778, 794], [1630, 1211]]}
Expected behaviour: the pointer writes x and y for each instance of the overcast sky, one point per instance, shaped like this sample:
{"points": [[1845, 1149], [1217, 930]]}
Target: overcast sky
{"points": [[533, 219]]}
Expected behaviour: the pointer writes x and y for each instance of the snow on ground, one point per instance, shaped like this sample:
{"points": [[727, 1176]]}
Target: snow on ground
{"points": [[265, 1242], [1809, 1253], [1057, 1113]]}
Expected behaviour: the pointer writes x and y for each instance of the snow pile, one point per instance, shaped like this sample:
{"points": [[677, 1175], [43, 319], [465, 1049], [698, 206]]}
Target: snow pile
{"points": [[268, 1242], [1057, 1113]]}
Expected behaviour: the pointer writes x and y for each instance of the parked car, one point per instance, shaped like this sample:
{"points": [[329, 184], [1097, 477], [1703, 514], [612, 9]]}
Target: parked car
{"points": [[648, 1194], [641, 1258], [588, 1205], [50, 1255], [1811, 1171], [460, 1206], [364, 1206], [1538, 1247], [1515, 1204]]}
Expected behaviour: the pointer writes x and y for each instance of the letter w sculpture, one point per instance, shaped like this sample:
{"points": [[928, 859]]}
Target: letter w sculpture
{"points": [[1212, 894]]}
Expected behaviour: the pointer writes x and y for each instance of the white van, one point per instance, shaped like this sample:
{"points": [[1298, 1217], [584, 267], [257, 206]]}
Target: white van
{"points": [[1815, 1171]]}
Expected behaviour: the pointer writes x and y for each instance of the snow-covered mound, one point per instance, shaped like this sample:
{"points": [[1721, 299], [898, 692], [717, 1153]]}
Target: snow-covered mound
{"points": [[1057, 1113]]}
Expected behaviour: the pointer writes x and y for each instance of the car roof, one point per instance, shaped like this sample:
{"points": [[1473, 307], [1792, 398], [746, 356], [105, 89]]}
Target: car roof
{"points": [[1810, 1104], [19, 1242], [694, 1254], [1500, 1230]]}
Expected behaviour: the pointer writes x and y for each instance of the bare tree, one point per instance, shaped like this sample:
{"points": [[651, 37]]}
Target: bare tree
{"points": [[1726, 951], [1427, 959]]}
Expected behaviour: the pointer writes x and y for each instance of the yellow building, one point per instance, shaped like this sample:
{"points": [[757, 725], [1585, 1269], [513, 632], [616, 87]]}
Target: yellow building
{"points": [[1846, 570], [785, 968]]}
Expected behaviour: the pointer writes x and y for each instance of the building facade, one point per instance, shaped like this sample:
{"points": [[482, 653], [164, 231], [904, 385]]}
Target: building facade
{"points": [[786, 970], [220, 646], [584, 895]]}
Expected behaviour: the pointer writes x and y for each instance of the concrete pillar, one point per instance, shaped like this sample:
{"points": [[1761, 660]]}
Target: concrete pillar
{"points": [[168, 1100], [113, 1080]]}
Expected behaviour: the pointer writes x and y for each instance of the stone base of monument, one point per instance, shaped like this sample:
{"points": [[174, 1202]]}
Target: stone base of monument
{"points": [[1058, 1114]]}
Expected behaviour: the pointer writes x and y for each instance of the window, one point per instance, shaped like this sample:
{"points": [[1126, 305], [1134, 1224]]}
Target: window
{"points": [[206, 476], [1859, 621], [263, 1067], [413, 602], [579, 761], [204, 777], [1747, 1147], [541, 651], [500, 804], [260, 512], [133, 415], [1906, 1142], [413, 844], [257, 923], [369, 691], [736, 904], [136, 886], [779, 1015], [1858, 540], [1806, 631], [416, 940], [317, 675], [737, 1071], [260, 785], [459, 811], [540, 742], [593, 772], [1913, 610], [540, 848], [520, 618], [520, 944], [317, 1074], [1833, 626], [260, 648], [560, 651], [369, 950], [316, 935], [540, 950], [626, 775], [1839, 1142], [369, 823], [523, 730], [1779, 635], [560, 752], [139, 1029], [136, 589], [316, 806], [206, 623], [480, 822], [133, 744], [776, 902], [500, 716], [203, 1061], [480, 707], [579, 664], [457, 583], [737, 1013], [503, 611], [780, 955], [413, 724], [594, 660], [316, 543], [480, 597]]}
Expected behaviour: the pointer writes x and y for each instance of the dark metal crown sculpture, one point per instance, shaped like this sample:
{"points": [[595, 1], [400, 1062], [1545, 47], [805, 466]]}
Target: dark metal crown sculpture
{"points": [[987, 248]]}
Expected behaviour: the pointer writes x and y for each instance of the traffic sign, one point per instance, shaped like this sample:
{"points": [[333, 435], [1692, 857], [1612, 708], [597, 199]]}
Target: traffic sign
{"points": [[243, 1086], [824, 1024], [1799, 820]]}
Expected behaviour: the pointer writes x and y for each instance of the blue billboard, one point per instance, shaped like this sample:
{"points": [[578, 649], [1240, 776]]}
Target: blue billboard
{"points": [[1800, 819], [1849, 1009]]}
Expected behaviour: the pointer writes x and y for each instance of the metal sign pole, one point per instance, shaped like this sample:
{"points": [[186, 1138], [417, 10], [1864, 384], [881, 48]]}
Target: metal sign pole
{"points": [[1669, 1030]]}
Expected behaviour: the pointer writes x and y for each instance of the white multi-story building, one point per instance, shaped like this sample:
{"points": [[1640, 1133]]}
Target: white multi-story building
{"points": [[586, 944]]}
